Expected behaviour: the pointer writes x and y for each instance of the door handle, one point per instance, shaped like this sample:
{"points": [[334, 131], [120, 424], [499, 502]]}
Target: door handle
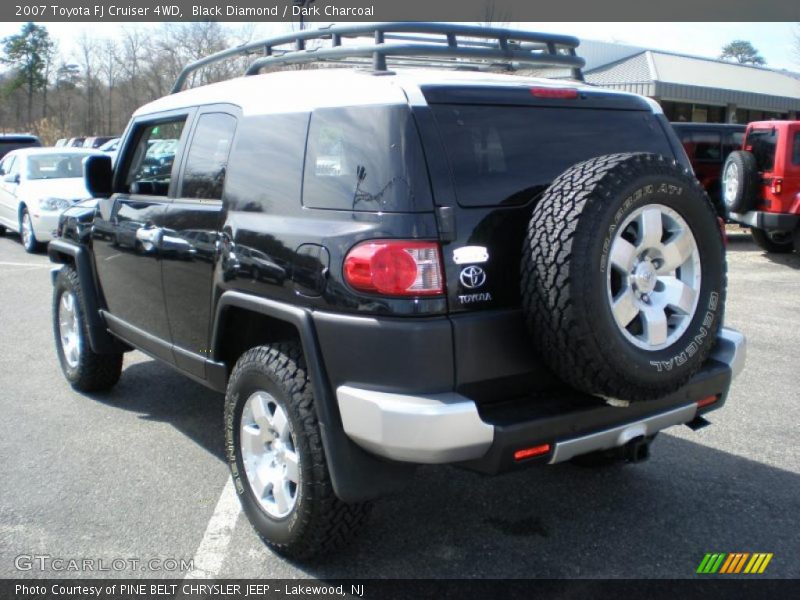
{"points": [[149, 237]]}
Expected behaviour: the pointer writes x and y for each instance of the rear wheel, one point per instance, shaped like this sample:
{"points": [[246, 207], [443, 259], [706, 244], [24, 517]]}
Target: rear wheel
{"points": [[623, 276], [275, 453], [777, 242]]}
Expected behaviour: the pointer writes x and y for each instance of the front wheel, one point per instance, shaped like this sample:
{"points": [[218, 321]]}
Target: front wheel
{"points": [[85, 370], [777, 242], [274, 450], [29, 241]]}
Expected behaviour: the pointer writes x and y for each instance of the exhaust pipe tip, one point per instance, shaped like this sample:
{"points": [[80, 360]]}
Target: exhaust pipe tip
{"points": [[637, 450]]}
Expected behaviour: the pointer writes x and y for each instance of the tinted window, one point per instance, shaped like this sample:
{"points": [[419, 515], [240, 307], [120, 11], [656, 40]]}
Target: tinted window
{"points": [[150, 170], [703, 145], [204, 175], [365, 159], [796, 149], [509, 154], [732, 142], [266, 167], [7, 146], [6, 164], [761, 142], [55, 166]]}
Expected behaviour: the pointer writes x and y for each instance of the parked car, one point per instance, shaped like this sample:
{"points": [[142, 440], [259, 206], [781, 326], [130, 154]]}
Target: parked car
{"points": [[13, 141], [708, 145], [76, 142], [427, 267], [110, 148], [762, 184], [36, 185], [60, 142], [97, 141]]}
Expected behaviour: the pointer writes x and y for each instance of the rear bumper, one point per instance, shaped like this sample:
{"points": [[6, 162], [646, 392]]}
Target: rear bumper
{"points": [[449, 427], [766, 220]]}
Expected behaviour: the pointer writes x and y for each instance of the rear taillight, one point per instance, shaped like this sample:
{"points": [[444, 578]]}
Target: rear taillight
{"points": [[547, 92], [395, 268], [777, 185]]}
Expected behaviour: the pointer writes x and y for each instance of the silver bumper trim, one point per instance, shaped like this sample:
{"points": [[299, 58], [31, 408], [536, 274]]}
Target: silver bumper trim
{"points": [[621, 435], [432, 428], [748, 218], [446, 428], [731, 349]]}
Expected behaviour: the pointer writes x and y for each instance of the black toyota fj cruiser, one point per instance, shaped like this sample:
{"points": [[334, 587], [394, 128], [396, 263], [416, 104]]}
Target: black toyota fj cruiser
{"points": [[386, 268]]}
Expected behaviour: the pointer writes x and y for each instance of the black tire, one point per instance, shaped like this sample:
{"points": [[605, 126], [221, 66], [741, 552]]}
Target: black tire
{"points": [[93, 372], [30, 243], [318, 522], [567, 277], [2, 230], [744, 193], [775, 242]]}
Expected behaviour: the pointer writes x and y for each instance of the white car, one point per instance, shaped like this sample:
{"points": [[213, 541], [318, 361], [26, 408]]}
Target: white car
{"points": [[36, 185]]}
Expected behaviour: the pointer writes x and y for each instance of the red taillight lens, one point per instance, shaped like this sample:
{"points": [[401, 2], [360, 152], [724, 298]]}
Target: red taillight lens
{"points": [[777, 186], [531, 452], [395, 268], [546, 92], [707, 401]]}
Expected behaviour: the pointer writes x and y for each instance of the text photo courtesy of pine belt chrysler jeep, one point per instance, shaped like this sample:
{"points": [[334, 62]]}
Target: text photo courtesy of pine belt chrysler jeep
{"points": [[385, 266]]}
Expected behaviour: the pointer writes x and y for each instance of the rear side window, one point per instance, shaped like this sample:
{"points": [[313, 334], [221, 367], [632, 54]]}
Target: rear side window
{"points": [[796, 149], [204, 174], [509, 154], [265, 172], [703, 145], [732, 142], [365, 159], [762, 143], [150, 168]]}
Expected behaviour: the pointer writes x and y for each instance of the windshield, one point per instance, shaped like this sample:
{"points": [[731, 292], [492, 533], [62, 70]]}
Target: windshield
{"points": [[509, 154], [55, 166]]}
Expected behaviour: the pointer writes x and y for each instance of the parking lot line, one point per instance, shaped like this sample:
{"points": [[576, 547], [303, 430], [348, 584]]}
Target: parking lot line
{"points": [[22, 264], [210, 553]]}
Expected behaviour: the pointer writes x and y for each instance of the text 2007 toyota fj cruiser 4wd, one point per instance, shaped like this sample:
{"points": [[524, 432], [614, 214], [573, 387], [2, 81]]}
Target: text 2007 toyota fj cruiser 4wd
{"points": [[386, 268], [761, 184]]}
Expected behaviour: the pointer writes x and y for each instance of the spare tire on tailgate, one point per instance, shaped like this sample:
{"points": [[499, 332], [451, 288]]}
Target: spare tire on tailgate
{"points": [[740, 180], [623, 276]]}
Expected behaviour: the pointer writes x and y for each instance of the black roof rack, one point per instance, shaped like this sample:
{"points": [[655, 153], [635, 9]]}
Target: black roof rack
{"points": [[406, 44]]}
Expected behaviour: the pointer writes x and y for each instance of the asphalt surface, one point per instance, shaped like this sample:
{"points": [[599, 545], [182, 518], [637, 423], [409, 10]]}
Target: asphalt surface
{"points": [[138, 473]]}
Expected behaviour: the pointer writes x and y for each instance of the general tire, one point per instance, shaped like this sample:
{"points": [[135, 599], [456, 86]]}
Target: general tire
{"points": [[85, 370], [568, 276], [740, 182], [319, 522], [775, 242]]}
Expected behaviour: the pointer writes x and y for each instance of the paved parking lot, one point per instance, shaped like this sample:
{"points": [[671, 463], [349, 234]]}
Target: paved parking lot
{"points": [[138, 472]]}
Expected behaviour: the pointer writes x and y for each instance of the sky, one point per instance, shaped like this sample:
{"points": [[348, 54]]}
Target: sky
{"points": [[775, 41]]}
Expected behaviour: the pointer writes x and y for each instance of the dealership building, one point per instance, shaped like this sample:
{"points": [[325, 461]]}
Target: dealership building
{"points": [[692, 88]]}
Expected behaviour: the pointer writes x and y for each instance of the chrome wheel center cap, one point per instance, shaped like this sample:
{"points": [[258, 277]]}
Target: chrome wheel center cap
{"points": [[644, 277]]}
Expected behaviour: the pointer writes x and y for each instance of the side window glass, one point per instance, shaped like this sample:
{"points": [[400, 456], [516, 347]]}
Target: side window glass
{"points": [[150, 169], [707, 145], [4, 165], [796, 149], [207, 160], [13, 167]]}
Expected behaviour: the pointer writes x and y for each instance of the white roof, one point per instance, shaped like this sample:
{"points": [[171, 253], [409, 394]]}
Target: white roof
{"points": [[305, 90]]}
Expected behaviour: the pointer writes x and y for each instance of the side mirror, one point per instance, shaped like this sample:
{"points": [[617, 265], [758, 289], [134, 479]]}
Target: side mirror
{"points": [[97, 175], [11, 178]]}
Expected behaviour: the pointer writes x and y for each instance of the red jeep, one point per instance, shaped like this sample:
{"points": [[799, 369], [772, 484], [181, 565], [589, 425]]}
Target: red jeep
{"points": [[761, 184]]}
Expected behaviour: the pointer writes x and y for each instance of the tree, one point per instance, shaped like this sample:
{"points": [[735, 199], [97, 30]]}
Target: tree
{"points": [[29, 53], [742, 52]]}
